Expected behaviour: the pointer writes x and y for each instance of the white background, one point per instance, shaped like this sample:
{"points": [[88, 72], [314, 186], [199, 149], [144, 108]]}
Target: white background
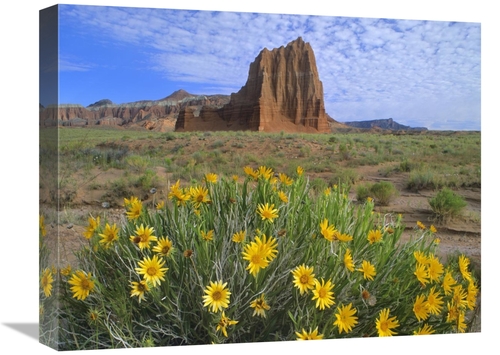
{"points": [[19, 171]]}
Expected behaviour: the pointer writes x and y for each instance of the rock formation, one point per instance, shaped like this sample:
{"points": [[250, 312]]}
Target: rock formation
{"points": [[282, 93], [387, 123], [149, 114]]}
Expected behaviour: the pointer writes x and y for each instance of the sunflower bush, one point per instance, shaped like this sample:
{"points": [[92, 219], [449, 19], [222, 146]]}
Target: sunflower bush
{"points": [[258, 258]]}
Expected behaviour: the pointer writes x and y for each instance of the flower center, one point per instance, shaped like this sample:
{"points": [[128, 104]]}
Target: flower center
{"points": [[322, 293], [217, 295], [256, 259], [304, 279], [165, 249], [141, 287], [151, 271], [85, 284]]}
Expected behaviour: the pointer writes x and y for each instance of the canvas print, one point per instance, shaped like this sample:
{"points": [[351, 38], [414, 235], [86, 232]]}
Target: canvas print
{"points": [[211, 177]]}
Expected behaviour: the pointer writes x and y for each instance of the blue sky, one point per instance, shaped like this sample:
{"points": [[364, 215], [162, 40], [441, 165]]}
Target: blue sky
{"points": [[420, 73]]}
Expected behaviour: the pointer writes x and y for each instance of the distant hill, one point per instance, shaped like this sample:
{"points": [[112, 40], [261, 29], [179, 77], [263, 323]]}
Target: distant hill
{"points": [[387, 123]]}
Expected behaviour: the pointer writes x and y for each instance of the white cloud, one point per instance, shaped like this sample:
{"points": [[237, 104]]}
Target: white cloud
{"points": [[368, 66]]}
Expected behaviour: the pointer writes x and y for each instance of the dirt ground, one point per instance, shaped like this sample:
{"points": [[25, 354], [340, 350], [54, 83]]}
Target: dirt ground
{"points": [[461, 235]]}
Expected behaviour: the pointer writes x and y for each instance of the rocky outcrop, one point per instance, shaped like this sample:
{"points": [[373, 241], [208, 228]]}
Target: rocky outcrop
{"points": [[387, 123], [105, 112], [282, 93]]}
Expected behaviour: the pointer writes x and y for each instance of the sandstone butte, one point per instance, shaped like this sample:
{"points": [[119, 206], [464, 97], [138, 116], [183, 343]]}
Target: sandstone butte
{"points": [[282, 93]]}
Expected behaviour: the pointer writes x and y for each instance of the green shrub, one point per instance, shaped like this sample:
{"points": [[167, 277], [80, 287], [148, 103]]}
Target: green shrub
{"points": [[344, 151], [147, 180], [169, 136], [217, 144], [136, 162], [363, 192], [383, 192], [136, 289], [423, 180], [447, 204]]}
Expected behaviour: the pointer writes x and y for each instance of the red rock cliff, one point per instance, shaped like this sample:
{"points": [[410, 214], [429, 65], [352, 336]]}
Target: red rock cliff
{"points": [[282, 92]]}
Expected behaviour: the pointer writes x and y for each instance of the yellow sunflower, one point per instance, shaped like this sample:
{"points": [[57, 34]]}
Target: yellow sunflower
{"points": [[199, 195], [285, 180], [323, 294], [82, 284], [46, 282], [109, 235], [256, 256], [303, 278], [471, 295], [127, 202], [211, 178], [224, 322], [66, 271], [368, 270], [311, 335], [426, 329], [208, 236], [422, 273], [343, 237], [251, 172], [348, 261], [268, 246], [152, 270], [265, 172], [216, 296], [345, 318], [385, 325], [283, 196], [41, 225], [435, 268], [139, 289], [91, 227], [448, 282], [134, 210], [239, 237], [420, 257], [434, 301], [461, 325], [143, 236], [374, 236], [267, 212], [421, 308], [163, 246], [453, 311], [260, 306], [328, 232], [178, 194], [463, 264], [459, 296]]}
